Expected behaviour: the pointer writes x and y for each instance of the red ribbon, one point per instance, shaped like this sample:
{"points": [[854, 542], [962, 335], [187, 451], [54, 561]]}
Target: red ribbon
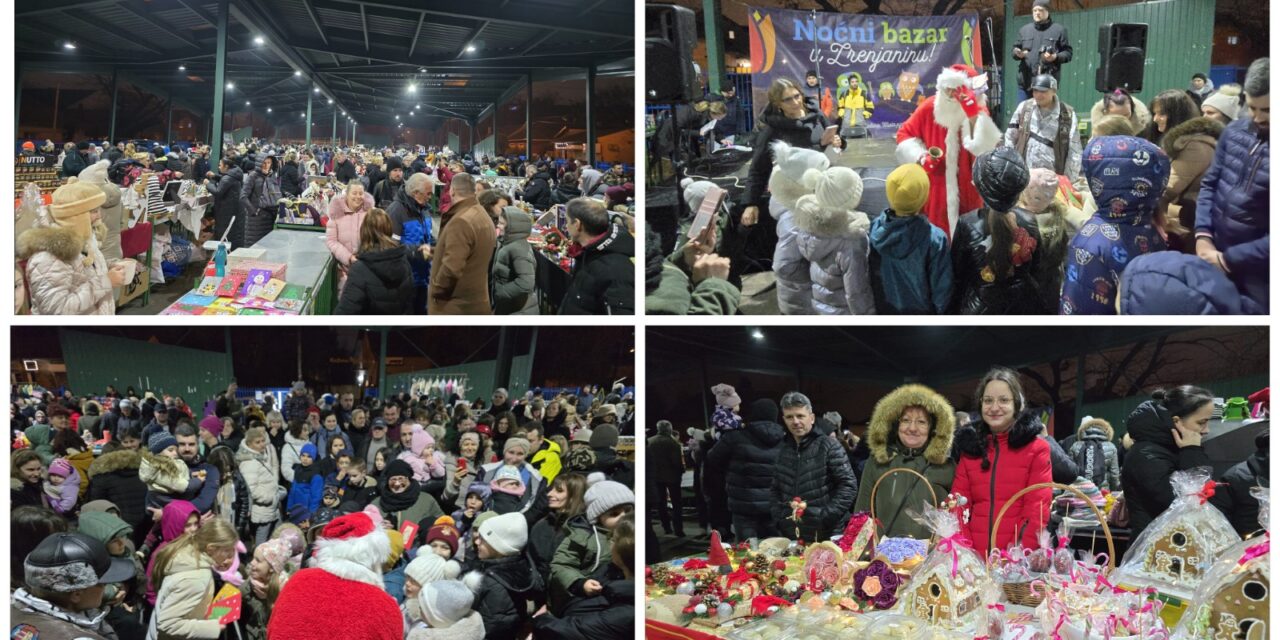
{"points": [[1206, 491], [696, 563], [760, 604]]}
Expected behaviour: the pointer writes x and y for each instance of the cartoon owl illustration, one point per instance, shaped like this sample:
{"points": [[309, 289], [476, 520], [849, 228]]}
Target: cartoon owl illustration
{"points": [[886, 91], [908, 83]]}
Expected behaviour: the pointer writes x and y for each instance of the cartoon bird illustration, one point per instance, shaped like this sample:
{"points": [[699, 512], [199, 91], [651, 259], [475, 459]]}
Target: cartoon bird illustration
{"points": [[886, 91]]}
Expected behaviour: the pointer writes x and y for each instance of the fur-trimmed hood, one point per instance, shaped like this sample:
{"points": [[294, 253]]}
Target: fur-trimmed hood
{"points": [[115, 461], [1098, 426], [1202, 129], [164, 465], [971, 440], [59, 241], [882, 434], [812, 218]]}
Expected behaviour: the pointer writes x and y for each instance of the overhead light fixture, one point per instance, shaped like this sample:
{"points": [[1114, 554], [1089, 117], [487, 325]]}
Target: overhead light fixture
{"points": [[268, 109], [471, 48], [182, 67], [397, 117], [68, 45], [246, 103], [317, 89], [259, 40], [417, 106], [422, 69], [344, 114], [302, 113], [330, 100], [757, 334], [297, 73], [231, 85]]}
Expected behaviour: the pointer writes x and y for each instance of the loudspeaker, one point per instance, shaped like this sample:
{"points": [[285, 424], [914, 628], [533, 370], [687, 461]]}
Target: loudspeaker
{"points": [[1123, 51], [670, 37]]}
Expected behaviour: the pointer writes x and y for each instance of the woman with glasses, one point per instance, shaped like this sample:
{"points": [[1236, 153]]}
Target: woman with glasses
{"points": [[1002, 453]]}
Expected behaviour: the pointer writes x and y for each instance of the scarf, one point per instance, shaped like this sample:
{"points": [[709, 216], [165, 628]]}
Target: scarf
{"points": [[397, 502], [52, 491]]}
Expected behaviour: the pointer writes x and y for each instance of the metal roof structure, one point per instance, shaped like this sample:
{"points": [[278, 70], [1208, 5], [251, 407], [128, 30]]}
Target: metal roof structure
{"points": [[371, 60]]}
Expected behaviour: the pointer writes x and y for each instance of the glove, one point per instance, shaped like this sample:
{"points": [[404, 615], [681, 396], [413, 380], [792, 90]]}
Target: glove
{"points": [[968, 101], [931, 164]]}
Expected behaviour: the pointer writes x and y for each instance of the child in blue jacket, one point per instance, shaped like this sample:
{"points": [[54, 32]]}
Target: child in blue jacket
{"points": [[308, 484]]}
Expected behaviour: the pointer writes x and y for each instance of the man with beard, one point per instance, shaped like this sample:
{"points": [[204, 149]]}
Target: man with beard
{"points": [[1041, 47], [944, 135], [203, 489], [391, 416], [346, 403]]}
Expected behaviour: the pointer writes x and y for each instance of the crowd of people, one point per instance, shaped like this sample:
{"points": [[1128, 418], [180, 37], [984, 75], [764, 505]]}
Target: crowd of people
{"points": [[408, 517], [1160, 211], [758, 456], [388, 231]]}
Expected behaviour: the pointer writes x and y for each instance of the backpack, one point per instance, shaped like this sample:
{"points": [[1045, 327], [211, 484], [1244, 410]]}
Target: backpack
{"points": [[1091, 460]]}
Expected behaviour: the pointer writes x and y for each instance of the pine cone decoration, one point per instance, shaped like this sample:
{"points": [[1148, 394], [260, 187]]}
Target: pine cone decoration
{"points": [[660, 573], [759, 563]]}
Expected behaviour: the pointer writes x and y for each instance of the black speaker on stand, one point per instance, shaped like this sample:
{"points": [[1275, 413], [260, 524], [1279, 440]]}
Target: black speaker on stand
{"points": [[671, 34], [1123, 50]]}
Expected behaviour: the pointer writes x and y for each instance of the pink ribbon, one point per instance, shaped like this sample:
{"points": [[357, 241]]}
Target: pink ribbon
{"points": [[1260, 549], [950, 544]]}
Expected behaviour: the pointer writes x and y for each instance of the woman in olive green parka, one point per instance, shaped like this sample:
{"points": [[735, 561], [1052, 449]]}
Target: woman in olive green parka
{"points": [[912, 428]]}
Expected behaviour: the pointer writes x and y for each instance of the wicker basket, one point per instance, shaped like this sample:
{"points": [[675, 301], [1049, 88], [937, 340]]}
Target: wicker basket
{"points": [[1024, 593], [911, 563]]}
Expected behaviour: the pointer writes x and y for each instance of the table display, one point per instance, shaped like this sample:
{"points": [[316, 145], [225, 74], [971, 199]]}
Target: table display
{"points": [[859, 584]]}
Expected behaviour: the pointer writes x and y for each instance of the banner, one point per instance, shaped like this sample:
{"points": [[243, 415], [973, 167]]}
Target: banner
{"points": [[866, 72]]}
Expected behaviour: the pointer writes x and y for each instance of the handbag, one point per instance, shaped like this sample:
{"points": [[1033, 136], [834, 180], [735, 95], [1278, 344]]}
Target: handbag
{"points": [[1119, 514]]}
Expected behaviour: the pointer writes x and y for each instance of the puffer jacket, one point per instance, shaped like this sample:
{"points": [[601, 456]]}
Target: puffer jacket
{"points": [[976, 291], [583, 555], [292, 181], [901, 492], [68, 495], [1150, 463], [259, 200], [411, 227], [603, 277], [609, 615], [470, 627], [513, 264], [342, 234], [1127, 176], [829, 256], [1139, 119], [747, 458], [1172, 283], [379, 283], [1233, 208], [58, 280], [564, 192], [1107, 468], [1236, 500], [816, 470], [664, 457], [545, 538], [261, 472], [537, 191], [991, 469], [290, 455], [909, 265], [1190, 146], [805, 133], [672, 294], [184, 598], [225, 189], [502, 600]]}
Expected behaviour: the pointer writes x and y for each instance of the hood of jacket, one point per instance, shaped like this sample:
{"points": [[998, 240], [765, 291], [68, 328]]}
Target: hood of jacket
{"points": [[899, 236], [515, 573], [1127, 176], [616, 240], [115, 461], [235, 173], [411, 206], [519, 225], [259, 158], [1151, 422], [173, 519], [61, 242], [38, 434], [391, 268], [819, 221], [542, 175], [245, 454], [1174, 283], [1096, 429], [972, 438], [164, 464], [882, 433], [1202, 129], [766, 434]]}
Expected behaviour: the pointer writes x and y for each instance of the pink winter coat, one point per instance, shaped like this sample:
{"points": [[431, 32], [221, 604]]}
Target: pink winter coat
{"points": [[342, 236], [423, 470]]}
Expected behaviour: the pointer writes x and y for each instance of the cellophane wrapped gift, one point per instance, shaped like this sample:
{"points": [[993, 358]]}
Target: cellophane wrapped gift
{"points": [[1233, 599], [951, 587], [1176, 550]]}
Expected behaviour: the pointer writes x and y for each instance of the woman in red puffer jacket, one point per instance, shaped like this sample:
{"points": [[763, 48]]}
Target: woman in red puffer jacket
{"points": [[1001, 454]]}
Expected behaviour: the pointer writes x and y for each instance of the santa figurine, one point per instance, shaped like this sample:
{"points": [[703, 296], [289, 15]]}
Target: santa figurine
{"points": [[944, 135], [341, 594]]}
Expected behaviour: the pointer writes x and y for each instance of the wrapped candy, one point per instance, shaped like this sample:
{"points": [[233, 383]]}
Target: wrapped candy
{"points": [[1173, 553], [1233, 599], [949, 588]]}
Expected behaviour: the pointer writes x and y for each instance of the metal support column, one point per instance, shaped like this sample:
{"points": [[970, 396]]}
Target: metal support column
{"points": [[1080, 373], [715, 48], [168, 127], [115, 96], [353, 133], [506, 353], [591, 125], [219, 83], [333, 139], [309, 93], [528, 116], [17, 100], [471, 137], [382, 364]]}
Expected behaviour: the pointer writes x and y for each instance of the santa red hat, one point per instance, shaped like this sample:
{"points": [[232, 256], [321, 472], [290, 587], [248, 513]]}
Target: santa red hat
{"points": [[354, 547]]}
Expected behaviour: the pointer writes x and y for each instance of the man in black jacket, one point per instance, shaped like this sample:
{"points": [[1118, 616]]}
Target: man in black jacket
{"points": [[1236, 500], [604, 275], [537, 191], [1042, 47], [384, 193], [747, 457], [665, 458], [344, 171], [813, 468]]}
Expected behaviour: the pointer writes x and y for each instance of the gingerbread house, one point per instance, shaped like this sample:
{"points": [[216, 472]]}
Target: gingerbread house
{"points": [[1241, 609], [937, 598], [1178, 555]]}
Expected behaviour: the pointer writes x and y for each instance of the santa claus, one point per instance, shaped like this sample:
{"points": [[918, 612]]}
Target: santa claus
{"points": [[944, 135], [342, 593]]}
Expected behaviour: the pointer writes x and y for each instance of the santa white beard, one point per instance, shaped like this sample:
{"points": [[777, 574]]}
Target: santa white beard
{"points": [[947, 111]]}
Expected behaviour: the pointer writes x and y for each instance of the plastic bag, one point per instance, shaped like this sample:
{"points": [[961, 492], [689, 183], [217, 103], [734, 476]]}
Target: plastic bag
{"points": [[1177, 548], [950, 588], [1233, 599]]}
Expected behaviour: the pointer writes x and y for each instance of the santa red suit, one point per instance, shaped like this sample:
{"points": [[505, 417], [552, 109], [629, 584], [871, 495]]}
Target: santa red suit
{"points": [[940, 122], [342, 594]]}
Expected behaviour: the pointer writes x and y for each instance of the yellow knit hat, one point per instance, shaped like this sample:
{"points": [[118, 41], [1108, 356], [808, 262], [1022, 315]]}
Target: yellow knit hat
{"points": [[75, 199], [907, 189], [397, 548]]}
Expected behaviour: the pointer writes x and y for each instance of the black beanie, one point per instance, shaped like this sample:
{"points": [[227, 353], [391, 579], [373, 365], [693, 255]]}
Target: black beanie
{"points": [[394, 162], [1000, 177], [762, 410], [82, 145], [398, 467]]}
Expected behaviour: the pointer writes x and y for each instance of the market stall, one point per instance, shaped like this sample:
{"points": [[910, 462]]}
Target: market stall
{"points": [[1188, 576], [554, 267]]}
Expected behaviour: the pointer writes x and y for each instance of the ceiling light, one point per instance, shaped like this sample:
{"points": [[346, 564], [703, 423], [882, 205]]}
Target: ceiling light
{"points": [[246, 103], [68, 45], [397, 117], [330, 100], [344, 114], [259, 40], [757, 334], [317, 89], [417, 106], [182, 67], [231, 85], [471, 48], [412, 88], [422, 69], [297, 73], [268, 109]]}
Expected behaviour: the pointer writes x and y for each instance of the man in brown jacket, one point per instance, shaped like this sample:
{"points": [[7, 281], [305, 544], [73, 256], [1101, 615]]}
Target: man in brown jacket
{"points": [[460, 273]]}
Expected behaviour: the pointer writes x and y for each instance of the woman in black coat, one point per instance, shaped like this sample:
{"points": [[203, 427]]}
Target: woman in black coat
{"points": [[747, 456], [114, 476], [1166, 432], [995, 252], [259, 199], [225, 188], [380, 281], [292, 182], [564, 503], [567, 189], [537, 191]]}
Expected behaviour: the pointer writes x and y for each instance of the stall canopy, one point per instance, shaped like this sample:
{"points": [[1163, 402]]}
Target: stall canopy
{"points": [[373, 60]]}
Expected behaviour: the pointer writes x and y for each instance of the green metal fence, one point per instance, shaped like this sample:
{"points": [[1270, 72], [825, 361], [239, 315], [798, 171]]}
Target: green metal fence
{"points": [[1115, 411], [1179, 42], [95, 361], [479, 377]]}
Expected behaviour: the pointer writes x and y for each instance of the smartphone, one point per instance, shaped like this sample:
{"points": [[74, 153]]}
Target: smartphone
{"points": [[829, 135], [707, 212], [462, 464]]}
